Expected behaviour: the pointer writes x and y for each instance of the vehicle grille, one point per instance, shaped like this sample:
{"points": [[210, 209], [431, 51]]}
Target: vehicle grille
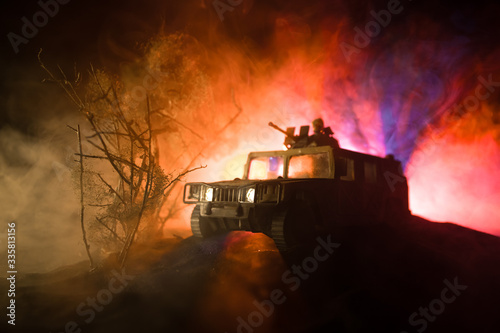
{"points": [[225, 194]]}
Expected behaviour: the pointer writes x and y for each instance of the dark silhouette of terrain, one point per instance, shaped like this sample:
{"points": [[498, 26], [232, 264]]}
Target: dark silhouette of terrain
{"points": [[446, 277]]}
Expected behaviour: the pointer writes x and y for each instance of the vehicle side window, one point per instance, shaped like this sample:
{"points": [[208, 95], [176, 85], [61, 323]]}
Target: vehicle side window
{"points": [[370, 172], [346, 167], [309, 166]]}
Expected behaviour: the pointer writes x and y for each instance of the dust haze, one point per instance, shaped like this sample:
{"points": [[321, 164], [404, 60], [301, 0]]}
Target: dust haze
{"points": [[266, 62]]}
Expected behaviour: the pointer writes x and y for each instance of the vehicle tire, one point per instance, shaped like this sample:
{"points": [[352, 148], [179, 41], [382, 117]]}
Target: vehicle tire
{"points": [[294, 226], [278, 230], [201, 226]]}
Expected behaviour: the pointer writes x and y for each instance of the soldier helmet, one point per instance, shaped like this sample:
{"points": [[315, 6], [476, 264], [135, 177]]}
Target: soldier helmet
{"points": [[318, 125]]}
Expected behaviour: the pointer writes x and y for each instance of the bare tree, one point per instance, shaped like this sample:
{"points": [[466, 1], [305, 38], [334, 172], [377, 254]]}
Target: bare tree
{"points": [[133, 193], [82, 205]]}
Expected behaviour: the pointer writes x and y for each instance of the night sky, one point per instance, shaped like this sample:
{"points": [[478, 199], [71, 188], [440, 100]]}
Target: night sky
{"points": [[110, 33]]}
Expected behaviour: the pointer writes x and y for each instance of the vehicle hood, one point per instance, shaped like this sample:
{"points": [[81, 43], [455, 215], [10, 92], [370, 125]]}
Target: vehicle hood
{"points": [[246, 182]]}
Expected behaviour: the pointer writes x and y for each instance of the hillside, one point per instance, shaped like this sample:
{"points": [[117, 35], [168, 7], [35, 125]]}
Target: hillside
{"points": [[372, 281]]}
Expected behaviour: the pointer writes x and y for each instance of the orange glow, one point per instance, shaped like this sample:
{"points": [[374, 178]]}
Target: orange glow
{"points": [[248, 259], [395, 100], [309, 166], [300, 167], [266, 168], [258, 170]]}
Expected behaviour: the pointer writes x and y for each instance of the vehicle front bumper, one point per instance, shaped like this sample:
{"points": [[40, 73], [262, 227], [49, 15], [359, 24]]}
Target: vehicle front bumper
{"points": [[226, 210]]}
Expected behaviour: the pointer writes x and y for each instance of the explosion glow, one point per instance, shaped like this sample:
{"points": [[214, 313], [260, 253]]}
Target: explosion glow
{"points": [[153, 89], [423, 86], [398, 99]]}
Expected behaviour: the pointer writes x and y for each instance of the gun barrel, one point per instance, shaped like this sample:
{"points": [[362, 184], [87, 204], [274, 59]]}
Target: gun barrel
{"points": [[278, 128]]}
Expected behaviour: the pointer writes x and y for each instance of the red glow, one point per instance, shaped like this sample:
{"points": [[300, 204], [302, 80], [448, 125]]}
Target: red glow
{"points": [[381, 102], [456, 179]]}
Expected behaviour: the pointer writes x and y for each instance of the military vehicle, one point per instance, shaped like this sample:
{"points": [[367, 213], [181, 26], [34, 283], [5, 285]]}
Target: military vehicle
{"points": [[293, 195]]}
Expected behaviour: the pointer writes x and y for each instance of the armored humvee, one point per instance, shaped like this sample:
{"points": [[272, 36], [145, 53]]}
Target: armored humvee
{"points": [[292, 195]]}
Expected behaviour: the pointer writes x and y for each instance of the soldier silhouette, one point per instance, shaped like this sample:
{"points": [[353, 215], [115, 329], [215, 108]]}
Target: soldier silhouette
{"points": [[322, 136]]}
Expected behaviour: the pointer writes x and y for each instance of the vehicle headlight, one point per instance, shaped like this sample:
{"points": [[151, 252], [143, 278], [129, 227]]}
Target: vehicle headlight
{"points": [[250, 195], [247, 194], [209, 194]]}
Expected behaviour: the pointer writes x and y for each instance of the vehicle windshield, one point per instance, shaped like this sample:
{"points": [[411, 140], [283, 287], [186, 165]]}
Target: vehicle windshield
{"points": [[309, 166], [266, 167], [315, 165]]}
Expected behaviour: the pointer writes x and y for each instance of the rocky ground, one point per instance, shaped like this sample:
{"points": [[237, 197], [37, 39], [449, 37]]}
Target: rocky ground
{"points": [[421, 276]]}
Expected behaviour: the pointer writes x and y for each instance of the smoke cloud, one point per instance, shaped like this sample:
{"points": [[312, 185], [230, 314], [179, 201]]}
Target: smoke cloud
{"points": [[218, 84]]}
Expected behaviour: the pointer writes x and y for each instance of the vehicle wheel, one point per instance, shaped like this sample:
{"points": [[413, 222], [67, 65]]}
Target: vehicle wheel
{"points": [[294, 226], [278, 230], [201, 226]]}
